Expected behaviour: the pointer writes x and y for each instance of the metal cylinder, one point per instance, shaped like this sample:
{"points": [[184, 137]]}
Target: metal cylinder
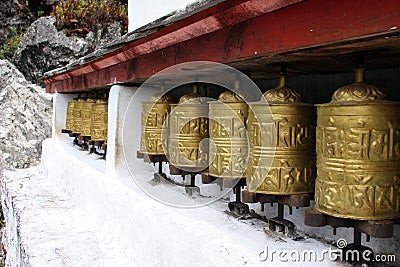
{"points": [[106, 124], [282, 141], [99, 121], [188, 126], [229, 150], [69, 122], [87, 117], [358, 154], [154, 127], [78, 106]]}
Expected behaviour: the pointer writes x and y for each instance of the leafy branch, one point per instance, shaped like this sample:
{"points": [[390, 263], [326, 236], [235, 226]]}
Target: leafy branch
{"points": [[82, 16]]}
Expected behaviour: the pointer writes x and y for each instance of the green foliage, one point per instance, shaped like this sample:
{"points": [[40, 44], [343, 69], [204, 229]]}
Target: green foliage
{"points": [[40, 13], [11, 44], [81, 16]]}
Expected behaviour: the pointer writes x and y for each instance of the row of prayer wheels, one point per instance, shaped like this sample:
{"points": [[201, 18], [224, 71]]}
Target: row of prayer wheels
{"points": [[272, 143], [88, 118]]}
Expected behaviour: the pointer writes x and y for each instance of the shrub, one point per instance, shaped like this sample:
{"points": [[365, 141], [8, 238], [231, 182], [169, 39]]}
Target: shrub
{"points": [[11, 44], [82, 16]]}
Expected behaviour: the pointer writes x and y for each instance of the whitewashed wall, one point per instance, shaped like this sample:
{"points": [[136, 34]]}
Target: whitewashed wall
{"points": [[125, 104], [60, 103]]}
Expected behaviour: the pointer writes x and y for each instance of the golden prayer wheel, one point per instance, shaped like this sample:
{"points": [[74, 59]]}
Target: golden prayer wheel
{"points": [[154, 127], [78, 106], [228, 132], [106, 124], [358, 154], [69, 123], [99, 120], [188, 126], [87, 117], [282, 141]]}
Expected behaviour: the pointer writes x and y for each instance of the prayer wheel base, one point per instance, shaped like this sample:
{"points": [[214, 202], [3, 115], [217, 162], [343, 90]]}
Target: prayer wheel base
{"points": [[65, 131], [154, 158], [238, 208], [158, 176], [299, 200], [279, 223], [379, 229], [282, 225], [192, 190], [139, 155], [207, 179], [231, 183], [174, 170], [72, 134], [94, 145]]}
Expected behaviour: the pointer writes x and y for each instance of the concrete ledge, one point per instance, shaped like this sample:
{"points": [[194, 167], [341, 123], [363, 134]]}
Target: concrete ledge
{"points": [[152, 234], [45, 228]]}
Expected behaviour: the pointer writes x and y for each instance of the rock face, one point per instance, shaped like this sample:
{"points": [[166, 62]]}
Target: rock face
{"points": [[25, 118], [43, 48], [13, 14]]}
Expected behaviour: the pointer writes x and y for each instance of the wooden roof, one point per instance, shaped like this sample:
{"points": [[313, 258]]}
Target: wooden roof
{"points": [[255, 36]]}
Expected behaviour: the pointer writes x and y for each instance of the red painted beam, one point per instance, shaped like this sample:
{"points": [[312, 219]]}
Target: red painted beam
{"points": [[209, 20], [309, 23]]}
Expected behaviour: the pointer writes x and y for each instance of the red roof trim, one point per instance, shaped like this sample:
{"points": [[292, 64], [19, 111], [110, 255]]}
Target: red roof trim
{"points": [[210, 20]]}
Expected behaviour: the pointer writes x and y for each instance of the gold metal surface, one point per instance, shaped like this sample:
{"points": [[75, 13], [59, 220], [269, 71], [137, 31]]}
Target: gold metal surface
{"points": [[358, 154], [87, 117], [106, 124], [282, 142], [154, 115], [78, 106], [69, 123], [188, 126], [99, 120], [228, 132]]}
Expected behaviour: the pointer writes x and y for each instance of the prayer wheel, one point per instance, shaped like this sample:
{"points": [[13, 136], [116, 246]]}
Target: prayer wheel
{"points": [[282, 141], [106, 124], [78, 106], [154, 126], [188, 126], [228, 132], [69, 123], [99, 120], [358, 154], [87, 117]]}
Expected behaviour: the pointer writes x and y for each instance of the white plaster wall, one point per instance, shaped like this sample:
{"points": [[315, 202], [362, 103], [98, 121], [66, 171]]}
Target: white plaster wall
{"points": [[60, 103], [117, 103], [149, 233], [143, 12], [88, 182], [124, 131], [10, 237]]}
